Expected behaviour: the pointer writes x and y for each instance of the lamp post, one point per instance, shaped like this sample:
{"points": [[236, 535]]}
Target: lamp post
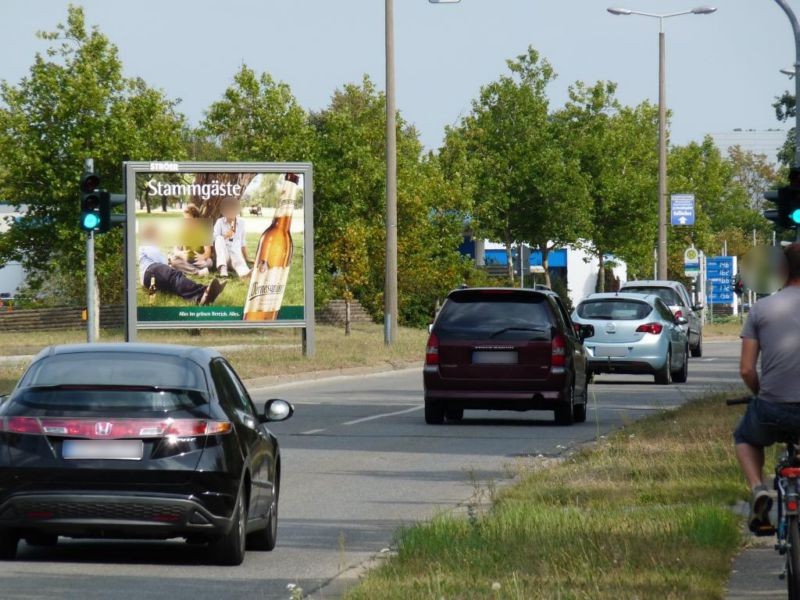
{"points": [[795, 72], [390, 305], [662, 123]]}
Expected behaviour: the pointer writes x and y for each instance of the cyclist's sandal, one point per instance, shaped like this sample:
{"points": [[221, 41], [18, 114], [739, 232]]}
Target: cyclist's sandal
{"points": [[760, 506]]}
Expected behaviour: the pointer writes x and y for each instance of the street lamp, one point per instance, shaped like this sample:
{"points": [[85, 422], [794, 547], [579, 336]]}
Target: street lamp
{"points": [[662, 123], [390, 284]]}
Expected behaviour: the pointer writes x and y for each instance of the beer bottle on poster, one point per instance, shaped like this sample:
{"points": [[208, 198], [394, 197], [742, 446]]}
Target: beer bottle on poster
{"points": [[273, 258]]}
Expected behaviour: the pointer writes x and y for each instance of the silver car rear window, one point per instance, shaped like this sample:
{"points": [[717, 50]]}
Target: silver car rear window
{"points": [[614, 309]]}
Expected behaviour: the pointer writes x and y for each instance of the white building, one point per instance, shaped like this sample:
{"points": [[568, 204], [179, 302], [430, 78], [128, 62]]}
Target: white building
{"points": [[11, 274]]}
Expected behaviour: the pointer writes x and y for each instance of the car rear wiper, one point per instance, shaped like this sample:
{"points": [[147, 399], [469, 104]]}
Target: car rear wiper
{"points": [[505, 329]]}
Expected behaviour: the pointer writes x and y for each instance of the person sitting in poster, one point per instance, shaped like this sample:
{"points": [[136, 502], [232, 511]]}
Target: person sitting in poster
{"points": [[230, 241], [154, 270], [189, 256]]}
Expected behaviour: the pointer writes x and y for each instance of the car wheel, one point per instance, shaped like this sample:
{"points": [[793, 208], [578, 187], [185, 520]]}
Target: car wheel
{"points": [[682, 374], [697, 351], [664, 374], [265, 539], [230, 548], [454, 414], [8, 546], [434, 412], [579, 412], [565, 411]]}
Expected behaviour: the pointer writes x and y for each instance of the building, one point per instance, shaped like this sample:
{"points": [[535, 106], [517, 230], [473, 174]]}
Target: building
{"points": [[12, 276]]}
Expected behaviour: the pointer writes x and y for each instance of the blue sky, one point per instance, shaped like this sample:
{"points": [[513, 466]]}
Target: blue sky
{"points": [[722, 69]]}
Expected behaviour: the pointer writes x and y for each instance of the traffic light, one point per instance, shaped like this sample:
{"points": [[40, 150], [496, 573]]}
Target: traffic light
{"points": [[90, 202], [786, 213], [107, 218]]}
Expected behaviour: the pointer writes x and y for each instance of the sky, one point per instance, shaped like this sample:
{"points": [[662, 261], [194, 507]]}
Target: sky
{"points": [[722, 69]]}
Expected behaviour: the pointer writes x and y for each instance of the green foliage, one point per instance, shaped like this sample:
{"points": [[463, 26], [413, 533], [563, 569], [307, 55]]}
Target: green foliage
{"points": [[75, 103]]}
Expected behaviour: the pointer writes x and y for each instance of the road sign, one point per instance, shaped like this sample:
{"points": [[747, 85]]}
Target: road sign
{"points": [[720, 278], [691, 262], [682, 209]]}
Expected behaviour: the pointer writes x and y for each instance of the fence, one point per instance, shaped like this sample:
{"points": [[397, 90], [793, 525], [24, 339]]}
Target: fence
{"points": [[49, 319]]}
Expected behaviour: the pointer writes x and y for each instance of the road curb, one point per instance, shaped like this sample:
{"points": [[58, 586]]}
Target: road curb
{"points": [[271, 380]]}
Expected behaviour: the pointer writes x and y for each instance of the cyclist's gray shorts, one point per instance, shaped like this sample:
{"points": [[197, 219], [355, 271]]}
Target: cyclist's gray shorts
{"points": [[767, 423]]}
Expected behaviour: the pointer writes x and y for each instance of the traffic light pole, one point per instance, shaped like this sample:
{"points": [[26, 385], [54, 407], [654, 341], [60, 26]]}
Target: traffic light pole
{"points": [[91, 292]]}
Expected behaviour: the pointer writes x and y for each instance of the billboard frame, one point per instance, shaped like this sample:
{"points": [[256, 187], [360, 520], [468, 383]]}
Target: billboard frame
{"points": [[307, 323]]}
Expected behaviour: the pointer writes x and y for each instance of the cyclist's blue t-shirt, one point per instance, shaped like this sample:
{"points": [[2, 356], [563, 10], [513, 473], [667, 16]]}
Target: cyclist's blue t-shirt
{"points": [[774, 322]]}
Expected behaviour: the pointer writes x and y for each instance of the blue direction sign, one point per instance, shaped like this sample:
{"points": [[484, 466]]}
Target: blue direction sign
{"points": [[682, 209], [719, 279]]}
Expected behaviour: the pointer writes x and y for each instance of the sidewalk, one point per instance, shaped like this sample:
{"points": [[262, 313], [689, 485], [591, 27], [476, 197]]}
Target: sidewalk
{"points": [[755, 571]]}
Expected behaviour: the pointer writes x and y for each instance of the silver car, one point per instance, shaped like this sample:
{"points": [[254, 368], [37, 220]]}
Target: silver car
{"points": [[634, 333], [677, 297]]}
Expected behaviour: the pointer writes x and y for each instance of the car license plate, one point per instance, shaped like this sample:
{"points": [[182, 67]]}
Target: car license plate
{"points": [[482, 357], [610, 351], [103, 449]]}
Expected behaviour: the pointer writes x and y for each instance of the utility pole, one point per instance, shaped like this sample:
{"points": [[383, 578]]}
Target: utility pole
{"points": [[662, 153], [796, 29], [390, 284]]}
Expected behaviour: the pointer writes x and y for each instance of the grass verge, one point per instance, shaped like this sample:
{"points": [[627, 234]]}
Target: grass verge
{"points": [[264, 352], [642, 514], [723, 327]]}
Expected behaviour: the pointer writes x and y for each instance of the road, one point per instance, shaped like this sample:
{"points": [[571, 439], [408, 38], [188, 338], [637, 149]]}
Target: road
{"points": [[358, 462]]}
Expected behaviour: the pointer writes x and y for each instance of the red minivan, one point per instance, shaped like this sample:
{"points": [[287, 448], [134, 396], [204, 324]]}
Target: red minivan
{"points": [[505, 349]]}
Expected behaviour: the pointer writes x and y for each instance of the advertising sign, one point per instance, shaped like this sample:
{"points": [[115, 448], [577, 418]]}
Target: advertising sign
{"points": [[720, 274], [682, 209], [219, 245]]}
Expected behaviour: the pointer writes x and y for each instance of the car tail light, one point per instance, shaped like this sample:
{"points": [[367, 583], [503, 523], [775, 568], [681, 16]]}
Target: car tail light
{"points": [[432, 350], [106, 429], [654, 328], [791, 505], [558, 353]]}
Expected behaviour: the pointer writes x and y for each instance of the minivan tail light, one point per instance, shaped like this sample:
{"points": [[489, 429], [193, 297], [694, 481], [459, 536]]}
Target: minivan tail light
{"points": [[558, 353], [108, 429], [654, 328], [432, 350]]}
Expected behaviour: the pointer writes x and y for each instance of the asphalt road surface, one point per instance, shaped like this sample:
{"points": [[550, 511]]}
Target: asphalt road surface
{"points": [[358, 462]]}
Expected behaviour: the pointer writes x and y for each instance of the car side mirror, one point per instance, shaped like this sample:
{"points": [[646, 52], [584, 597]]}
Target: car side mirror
{"points": [[681, 320], [698, 307], [277, 410], [430, 327], [585, 331]]}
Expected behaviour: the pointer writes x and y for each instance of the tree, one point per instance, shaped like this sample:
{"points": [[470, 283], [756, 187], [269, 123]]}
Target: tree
{"points": [[785, 106], [75, 103], [524, 186], [259, 119], [753, 173], [615, 146], [349, 253]]}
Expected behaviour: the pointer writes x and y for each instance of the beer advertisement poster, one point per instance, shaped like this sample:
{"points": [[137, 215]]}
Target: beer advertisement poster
{"points": [[218, 248]]}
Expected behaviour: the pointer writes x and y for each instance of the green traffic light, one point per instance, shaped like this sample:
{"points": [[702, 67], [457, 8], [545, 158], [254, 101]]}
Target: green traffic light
{"points": [[795, 216], [90, 221]]}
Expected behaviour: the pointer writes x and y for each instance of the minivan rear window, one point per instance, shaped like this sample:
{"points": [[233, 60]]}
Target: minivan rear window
{"points": [[501, 314], [668, 295], [614, 309]]}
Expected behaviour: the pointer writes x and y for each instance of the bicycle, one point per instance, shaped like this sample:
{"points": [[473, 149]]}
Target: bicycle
{"points": [[787, 529]]}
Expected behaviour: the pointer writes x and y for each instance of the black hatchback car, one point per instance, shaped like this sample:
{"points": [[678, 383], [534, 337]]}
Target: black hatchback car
{"points": [[505, 349], [138, 441]]}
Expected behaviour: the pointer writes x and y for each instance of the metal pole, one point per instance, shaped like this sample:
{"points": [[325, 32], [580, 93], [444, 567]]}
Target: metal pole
{"points": [[662, 155], [796, 29], [390, 290], [91, 294]]}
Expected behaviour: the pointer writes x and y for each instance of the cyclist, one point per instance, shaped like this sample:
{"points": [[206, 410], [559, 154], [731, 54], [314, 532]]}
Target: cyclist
{"points": [[773, 331]]}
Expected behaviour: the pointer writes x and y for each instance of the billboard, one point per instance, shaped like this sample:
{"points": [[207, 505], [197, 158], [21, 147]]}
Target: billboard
{"points": [[219, 245]]}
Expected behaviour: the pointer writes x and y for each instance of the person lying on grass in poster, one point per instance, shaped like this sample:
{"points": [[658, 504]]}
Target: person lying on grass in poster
{"points": [[230, 241], [191, 255], [153, 269]]}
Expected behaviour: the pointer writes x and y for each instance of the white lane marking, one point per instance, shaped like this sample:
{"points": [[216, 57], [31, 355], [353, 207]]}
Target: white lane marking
{"points": [[311, 431], [382, 415]]}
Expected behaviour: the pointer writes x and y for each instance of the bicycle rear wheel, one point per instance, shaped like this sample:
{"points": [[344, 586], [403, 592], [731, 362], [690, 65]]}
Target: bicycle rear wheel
{"points": [[793, 558]]}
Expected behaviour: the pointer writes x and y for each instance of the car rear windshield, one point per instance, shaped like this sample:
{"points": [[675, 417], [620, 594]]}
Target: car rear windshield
{"points": [[116, 369], [668, 295], [501, 314], [616, 309], [78, 401]]}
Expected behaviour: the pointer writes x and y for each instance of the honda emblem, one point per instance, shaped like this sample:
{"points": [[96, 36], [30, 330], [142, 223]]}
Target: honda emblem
{"points": [[102, 428]]}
